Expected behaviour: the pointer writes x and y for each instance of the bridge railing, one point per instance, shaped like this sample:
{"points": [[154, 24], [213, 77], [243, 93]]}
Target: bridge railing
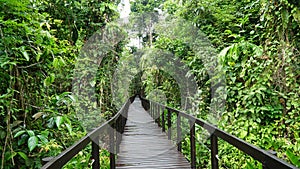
{"points": [[114, 139], [157, 110]]}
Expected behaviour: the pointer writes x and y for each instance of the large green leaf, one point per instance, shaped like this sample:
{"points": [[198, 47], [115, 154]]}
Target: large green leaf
{"points": [[294, 159], [23, 155], [58, 121], [19, 133], [32, 142]]}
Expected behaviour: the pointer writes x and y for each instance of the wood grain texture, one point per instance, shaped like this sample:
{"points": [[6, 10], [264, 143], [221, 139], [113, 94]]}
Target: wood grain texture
{"points": [[145, 146]]}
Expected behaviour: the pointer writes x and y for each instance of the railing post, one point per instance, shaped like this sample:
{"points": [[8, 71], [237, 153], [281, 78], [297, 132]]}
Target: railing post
{"points": [[163, 120], [151, 109], [154, 111], [95, 153], [112, 148], [118, 132], [158, 115], [179, 132], [193, 145], [214, 151], [169, 124]]}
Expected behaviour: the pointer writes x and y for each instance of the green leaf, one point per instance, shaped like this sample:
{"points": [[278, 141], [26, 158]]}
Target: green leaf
{"points": [[30, 133], [223, 53], [43, 139], [58, 62], [297, 15], [58, 121], [7, 63], [19, 133], [250, 166], [69, 127], [258, 120], [285, 18], [11, 155], [2, 134], [50, 123], [49, 80], [45, 133], [52, 76], [102, 8], [55, 63], [23, 155], [294, 159], [71, 97], [25, 54], [243, 134], [32, 142], [38, 56], [23, 140]]}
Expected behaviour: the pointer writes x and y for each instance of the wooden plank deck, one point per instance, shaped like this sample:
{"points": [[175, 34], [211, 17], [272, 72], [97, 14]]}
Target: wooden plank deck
{"points": [[145, 146]]}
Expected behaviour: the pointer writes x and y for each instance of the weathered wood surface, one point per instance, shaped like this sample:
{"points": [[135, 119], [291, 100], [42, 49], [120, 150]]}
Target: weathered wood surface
{"points": [[145, 146]]}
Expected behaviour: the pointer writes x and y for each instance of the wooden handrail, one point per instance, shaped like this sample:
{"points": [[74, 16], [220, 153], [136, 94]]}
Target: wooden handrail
{"points": [[268, 160], [117, 122]]}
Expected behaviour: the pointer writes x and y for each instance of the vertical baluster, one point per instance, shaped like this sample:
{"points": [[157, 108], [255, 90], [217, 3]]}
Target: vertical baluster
{"points": [[193, 145], [155, 114], [158, 115], [169, 124], [95, 153], [163, 120], [124, 121], [152, 109], [112, 148], [214, 151], [126, 116], [179, 132], [118, 132]]}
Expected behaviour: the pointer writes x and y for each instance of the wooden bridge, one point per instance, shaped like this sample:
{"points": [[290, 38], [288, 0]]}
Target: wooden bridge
{"points": [[144, 145], [141, 141]]}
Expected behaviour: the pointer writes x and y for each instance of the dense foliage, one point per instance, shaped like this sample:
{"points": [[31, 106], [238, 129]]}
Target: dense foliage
{"points": [[40, 42], [256, 45]]}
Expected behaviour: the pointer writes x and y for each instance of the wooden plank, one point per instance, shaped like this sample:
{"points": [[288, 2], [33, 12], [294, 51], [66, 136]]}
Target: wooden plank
{"points": [[144, 145]]}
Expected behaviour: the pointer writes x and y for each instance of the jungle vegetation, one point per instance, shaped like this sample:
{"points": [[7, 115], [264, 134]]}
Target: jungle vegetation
{"points": [[256, 44]]}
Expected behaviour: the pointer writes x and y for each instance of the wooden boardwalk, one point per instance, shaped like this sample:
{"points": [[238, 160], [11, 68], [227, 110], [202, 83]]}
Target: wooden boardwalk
{"points": [[145, 146]]}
